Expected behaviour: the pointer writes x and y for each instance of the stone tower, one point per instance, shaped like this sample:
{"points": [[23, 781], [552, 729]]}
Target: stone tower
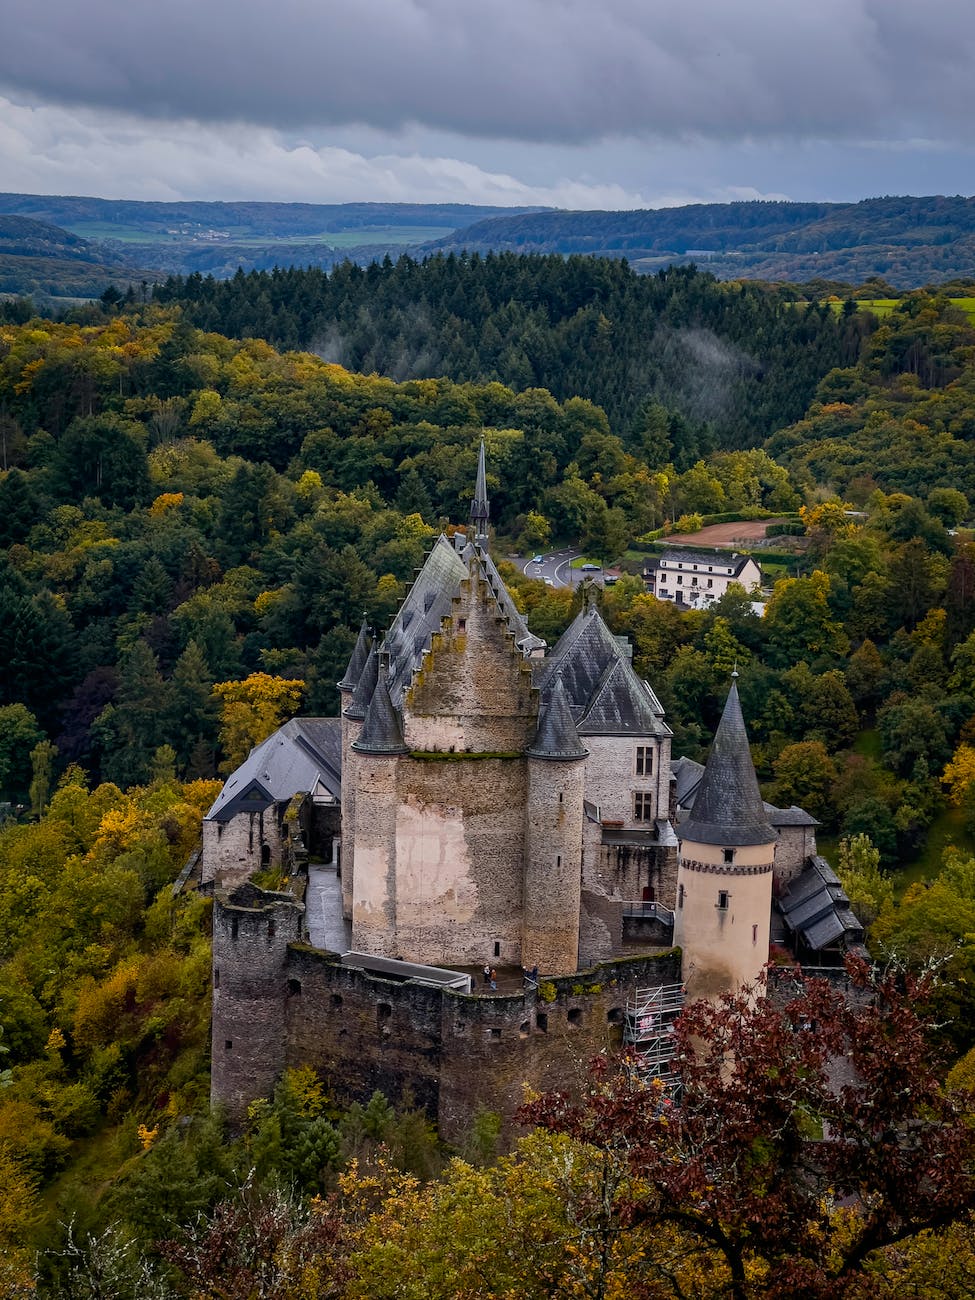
{"points": [[724, 876]]}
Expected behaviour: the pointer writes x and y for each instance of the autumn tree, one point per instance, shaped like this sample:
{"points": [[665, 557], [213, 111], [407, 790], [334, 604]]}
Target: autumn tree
{"points": [[250, 710], [792, 1105]]}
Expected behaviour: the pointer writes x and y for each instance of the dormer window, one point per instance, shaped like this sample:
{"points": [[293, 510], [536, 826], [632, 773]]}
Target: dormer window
{"points": [[729, 855]]}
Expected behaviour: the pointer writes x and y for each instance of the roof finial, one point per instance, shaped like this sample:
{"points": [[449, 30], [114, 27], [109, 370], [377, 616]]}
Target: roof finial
{"points": [[734, 671], [480, 507]]}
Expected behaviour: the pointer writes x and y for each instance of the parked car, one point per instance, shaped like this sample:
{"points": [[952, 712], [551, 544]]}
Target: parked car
{"points": [[591, 568]]}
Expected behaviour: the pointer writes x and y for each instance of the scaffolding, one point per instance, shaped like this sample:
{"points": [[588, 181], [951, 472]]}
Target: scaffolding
{"points": [[648, 1030]]}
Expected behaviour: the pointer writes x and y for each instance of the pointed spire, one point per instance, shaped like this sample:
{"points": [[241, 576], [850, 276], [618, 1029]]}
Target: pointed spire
{"points": [[360, 654], [480, 507], [556, 736], [381, 732], [728, 807], [366, 685]]}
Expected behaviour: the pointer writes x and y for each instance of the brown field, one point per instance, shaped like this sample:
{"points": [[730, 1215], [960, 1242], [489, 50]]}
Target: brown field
{"points": [[747, 530]]}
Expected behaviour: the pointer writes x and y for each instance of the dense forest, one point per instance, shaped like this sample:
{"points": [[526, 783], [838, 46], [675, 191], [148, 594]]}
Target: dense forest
{"points": [[193, 526], [735, 363]]}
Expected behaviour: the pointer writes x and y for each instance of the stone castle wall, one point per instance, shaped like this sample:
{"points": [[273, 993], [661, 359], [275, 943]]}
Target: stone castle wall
{"points": [[281, 1003]]}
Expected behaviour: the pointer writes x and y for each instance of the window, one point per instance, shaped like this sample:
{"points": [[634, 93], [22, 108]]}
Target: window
{"points": [[642, 806], [694, 581], [228, 1045], [294, 988], [541, 1022], [233, 927], [680, 895], [710, 582], [497, 948], [461, 624], [723, 900], [754, 934], [575, 1016], [644, 760], [680, 566], [729, 855], [679, 580]]}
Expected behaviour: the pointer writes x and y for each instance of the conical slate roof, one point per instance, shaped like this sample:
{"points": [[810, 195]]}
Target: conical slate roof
{"points": [[480, 508], [382, 732], [728, 807], [358, 660], [365, 687], [556, 736]]}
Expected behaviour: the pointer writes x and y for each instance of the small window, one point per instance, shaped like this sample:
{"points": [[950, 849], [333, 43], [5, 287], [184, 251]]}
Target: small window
{"points": [[754, 934], [615, 1016], [644, 760], [679, 579], [558, 860], [680, 895], [383, 1013], [729, 855], [494, 1034], [541, 1022], [497, 948], [234, 925], [461, 624], [271, 927], [228, 1045], [336, 999], [694, 581], [710, 582], [216, 978], [643, 806], [723, 900], [575, 1016], [524, 1029]]}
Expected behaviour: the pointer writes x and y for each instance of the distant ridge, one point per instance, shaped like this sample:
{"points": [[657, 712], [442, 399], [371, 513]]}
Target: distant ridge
{"points": [[905, 240]]}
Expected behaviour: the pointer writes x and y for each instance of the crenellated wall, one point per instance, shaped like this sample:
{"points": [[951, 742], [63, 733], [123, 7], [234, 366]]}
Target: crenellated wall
{"points": [[284, 1004]]}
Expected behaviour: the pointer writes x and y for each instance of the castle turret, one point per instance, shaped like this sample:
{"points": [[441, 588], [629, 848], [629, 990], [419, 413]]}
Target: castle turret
{"points": [[376, 751], [724, 877], [363, 657], [251, 932], [553, 839]]}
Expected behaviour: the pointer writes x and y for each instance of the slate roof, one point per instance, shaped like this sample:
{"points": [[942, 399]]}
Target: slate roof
{"points": [[357, 661], [728, 808], [382, 731], [724, 560], [816, 910], [605, 695], [365, 686], [556, 736], [428, 603], [304, 754]]}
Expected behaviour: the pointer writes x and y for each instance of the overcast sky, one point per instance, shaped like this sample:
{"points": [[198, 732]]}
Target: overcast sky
{"points": [[602, 103]]}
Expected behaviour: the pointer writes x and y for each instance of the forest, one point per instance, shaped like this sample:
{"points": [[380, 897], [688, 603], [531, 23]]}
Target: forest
{"points": [[193, 525]]}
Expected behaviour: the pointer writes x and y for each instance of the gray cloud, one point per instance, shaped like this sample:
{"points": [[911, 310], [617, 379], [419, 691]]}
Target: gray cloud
{"points": [[559, 71]]}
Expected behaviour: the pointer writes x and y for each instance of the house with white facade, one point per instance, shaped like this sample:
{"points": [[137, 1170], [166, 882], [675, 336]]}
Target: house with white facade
{"points": [[696, 578]]}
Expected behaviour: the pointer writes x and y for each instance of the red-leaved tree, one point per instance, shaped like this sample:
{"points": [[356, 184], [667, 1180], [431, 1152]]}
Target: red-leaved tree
{"points": [[812, 1129]]}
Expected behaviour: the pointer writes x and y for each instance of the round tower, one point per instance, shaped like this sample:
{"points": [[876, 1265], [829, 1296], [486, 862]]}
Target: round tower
{"points": [[357, 687], [375, 757], [724, 874], [553, 840]]}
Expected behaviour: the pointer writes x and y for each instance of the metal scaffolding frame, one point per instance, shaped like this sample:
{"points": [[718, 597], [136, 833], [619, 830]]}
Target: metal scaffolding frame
{"points": [[648, 1030]]}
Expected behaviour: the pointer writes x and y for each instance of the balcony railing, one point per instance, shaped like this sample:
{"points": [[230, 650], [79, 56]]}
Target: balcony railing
{"points": [[652, 911]]}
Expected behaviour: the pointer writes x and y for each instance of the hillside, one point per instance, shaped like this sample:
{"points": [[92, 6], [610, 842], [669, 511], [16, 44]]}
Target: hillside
{"points": [[41, 259], [217, 238], [907, 241]]}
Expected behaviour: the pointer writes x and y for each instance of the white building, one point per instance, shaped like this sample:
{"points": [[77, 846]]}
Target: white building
{"points": [[696, 578]]}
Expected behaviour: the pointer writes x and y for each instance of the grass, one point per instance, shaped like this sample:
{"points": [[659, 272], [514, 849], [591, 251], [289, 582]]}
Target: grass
{"points": [[867, 745], [246, 236], [581, 560], [884, 306], [947, 829]]}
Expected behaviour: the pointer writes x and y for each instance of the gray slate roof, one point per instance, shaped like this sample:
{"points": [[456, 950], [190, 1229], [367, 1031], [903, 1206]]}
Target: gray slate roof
{"points": [[728, 808], [304, 754], [723, 560], [428, 603], [817, 911], [382, 731], [357, 661], [605, 695], [556, 736], [365, 686]]}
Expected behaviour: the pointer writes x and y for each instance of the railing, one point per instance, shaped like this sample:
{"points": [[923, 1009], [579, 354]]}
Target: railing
{"points": [[653, 911]]}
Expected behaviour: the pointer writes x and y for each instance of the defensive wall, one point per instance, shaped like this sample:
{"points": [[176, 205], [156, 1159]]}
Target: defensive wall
{"points": [[279, 1003]]}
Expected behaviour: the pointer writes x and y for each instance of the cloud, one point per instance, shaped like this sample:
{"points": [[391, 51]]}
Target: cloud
{"points": [[556, 71], [50, 150]]}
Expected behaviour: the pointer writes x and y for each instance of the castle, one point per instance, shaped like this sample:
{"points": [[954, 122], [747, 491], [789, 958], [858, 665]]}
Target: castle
{"points": [[485, 801]]}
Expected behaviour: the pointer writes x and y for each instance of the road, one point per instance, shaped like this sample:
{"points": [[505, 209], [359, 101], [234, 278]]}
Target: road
{"points": [[556, 568]]}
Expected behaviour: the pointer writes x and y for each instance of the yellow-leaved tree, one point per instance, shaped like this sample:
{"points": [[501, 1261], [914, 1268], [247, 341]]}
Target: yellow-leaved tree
{"points": [[250, 710]]}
